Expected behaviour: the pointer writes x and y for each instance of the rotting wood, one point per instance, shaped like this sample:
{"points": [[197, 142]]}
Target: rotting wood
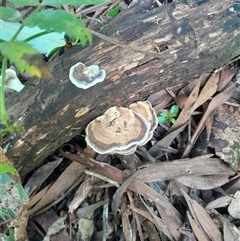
{"points": [[193, 40]]}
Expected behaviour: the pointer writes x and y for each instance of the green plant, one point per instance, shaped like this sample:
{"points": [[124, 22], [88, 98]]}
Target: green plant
{"points": [[21, 53], [113, 12], [163, 117], [13, 199]]}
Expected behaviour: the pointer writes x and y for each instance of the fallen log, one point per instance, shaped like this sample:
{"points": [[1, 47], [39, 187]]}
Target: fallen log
{"points": [[187, 39]]}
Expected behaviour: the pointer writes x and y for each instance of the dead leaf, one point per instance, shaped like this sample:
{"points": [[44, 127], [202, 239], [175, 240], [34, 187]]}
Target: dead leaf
{"points": [[159, 222], [210, 121], [225, 77], [208, 90], [196, 166], [37, 61], [118, 196], [66, 180], [187, 110], [37, 179], [203, 220], [212, 107], [205, 182], [198, 232], [230, 231], [126, 224], [234, 207], [165, 142], [116, 175], [219, 202], [183, 94], [151, 230]]}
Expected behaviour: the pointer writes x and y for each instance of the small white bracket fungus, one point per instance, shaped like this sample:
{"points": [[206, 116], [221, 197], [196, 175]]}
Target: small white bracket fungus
{"points": [[85, 77], [118, 130], [12, 82]]}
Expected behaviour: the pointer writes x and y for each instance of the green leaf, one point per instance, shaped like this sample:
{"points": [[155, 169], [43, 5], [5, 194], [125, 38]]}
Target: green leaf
{"points": [[6, 168], [2, 192], [74, 2], [22, 194], [60, 21], [173, 120], [3, 213], [9, 237], [4, 178], [164, 115], [25, 2], [113, 12], [44, 44], [174, 110], [20, 53], [161, 119], [9, 14], [11, 213]]}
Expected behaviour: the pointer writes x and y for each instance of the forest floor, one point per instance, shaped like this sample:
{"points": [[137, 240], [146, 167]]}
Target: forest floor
{"points": [[183, 184]]}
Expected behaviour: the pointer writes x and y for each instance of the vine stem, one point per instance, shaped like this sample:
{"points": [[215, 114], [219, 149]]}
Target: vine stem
{"points": [[22, 25], [4, 118], [3, 111]]}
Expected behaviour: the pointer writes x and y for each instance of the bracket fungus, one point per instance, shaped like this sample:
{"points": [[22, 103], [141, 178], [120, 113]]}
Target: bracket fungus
{"points": [[144, 108], [120, 130], [12, 82], [85, 77]]}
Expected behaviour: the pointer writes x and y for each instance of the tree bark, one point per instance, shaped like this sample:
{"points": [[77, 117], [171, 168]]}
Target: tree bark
{"points": [[191, 39]]}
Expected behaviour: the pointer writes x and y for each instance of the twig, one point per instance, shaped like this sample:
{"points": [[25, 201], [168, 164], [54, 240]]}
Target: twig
{"points": [[151, 54]]}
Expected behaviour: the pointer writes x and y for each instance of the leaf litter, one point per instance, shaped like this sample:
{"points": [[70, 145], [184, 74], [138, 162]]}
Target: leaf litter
{"points": [[150, 203], [145, 193]]}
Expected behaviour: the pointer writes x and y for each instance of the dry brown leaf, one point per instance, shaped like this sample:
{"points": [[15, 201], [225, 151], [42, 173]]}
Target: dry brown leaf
{"points": [[186, 90], [165, 142], [118, 196], [187, 110], [234, 207], [135, 215], [209, 123], [37, 179], [116, 175], [225, 76], [212, 107], [204, 182], [199, 233], [125, 213], [34, 199], [230, 231], [159, 222], [196, 166], [219, 202], [172, 223], [208, 90], [66, 180], [151, 230], [203, 219]]}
